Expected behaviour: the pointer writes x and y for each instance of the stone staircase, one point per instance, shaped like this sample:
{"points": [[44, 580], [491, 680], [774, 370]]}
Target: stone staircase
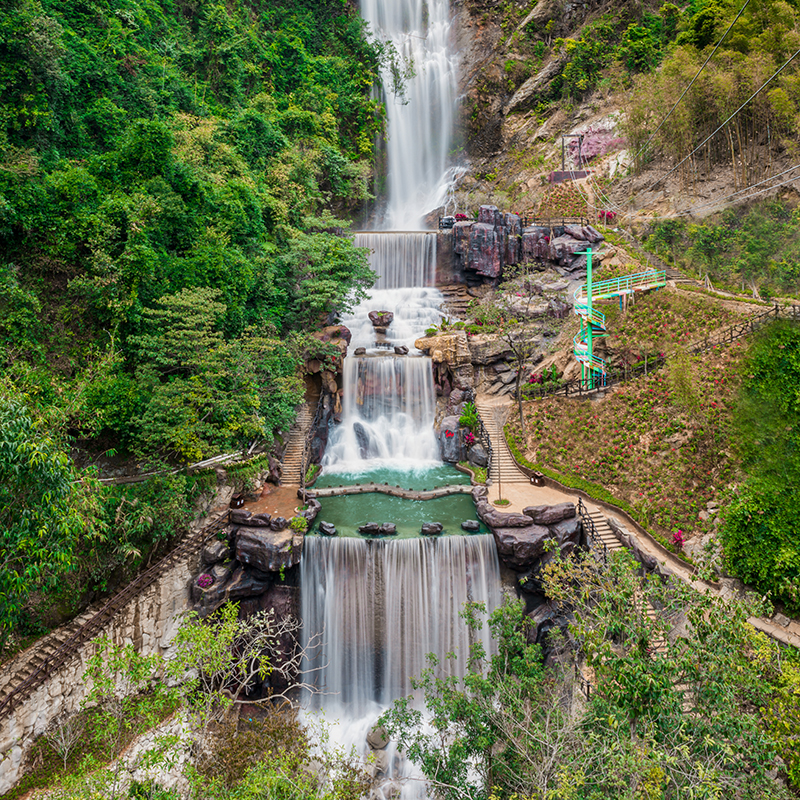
{"points": [[604, 532], [292, 464], [503, 464], [456, 301], [26, 663]]}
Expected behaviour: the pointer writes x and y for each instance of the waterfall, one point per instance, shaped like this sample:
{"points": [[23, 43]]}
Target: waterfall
{"points": [[401, 259], [382, 606], [389, 406], [420, 126]]}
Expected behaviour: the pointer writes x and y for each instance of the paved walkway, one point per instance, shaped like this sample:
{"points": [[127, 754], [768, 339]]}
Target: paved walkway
{"points": [[521, 493]]}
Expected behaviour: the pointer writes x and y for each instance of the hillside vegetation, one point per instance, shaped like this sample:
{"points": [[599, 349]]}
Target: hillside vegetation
{"points": [[169, 178]]}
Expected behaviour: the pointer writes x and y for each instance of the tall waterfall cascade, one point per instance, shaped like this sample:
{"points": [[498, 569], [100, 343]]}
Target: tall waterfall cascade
{"points": [[382, 607], [420, 124]]}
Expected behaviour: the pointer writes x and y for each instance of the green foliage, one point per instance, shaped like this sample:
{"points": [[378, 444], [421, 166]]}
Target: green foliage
{"points": [[311, 473], [758, 245], [469, 417], [298, 524], [43, 508], [759, 527], [664, 724], [167, 182]]}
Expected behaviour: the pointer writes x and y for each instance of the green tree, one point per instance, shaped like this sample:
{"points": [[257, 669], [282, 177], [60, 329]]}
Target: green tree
{"points": [[41, 500]]}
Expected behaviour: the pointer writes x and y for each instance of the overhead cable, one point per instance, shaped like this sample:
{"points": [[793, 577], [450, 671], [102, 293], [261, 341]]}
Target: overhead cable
{"points": [[710, 136], [691, 83]]}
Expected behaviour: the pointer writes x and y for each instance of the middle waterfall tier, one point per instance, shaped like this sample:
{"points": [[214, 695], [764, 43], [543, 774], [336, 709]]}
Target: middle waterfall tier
{"points": [[388, 415], [406, 267]]}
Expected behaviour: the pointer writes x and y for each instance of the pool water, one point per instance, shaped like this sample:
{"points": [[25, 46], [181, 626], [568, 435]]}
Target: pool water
{"points": [[427, 476], [348, 512]]}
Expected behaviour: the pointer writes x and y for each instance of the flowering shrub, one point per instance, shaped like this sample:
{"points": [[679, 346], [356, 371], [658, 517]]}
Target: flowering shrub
{"points": [[204, 580], [677, 539], [469, 439]]}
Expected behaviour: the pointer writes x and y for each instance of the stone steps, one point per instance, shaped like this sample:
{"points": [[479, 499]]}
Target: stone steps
{"points": [[604, 532], [503, 465], [292, 463]]}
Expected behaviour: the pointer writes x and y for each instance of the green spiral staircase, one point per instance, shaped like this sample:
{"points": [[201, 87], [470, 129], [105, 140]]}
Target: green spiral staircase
{"points": [[593, 322]]}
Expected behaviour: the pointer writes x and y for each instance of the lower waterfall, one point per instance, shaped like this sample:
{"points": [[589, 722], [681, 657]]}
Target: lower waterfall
{"points": [[381, 606]]}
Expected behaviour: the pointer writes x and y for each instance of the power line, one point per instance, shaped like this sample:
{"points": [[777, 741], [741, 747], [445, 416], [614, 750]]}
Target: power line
{"points": [[747, 189], [757, 91], [697, 75]]}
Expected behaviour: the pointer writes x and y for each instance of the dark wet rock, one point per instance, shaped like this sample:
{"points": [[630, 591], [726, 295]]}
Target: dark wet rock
{"points": [[313, 509], [568, 532], [477, 456], [450, 442], [245, 584], [381, 319], [362, 437], [521, 547], [327, 528], [471, 525], [431, 528], [485, 250], [240, 516], [549, 515], [278, 523], [401, 350], [221, 572], [370, 529], [207, 601], [387, 529], [360, 351], [542, 620], [266, 550], [214, 552], [500, 519], [259, 521]]}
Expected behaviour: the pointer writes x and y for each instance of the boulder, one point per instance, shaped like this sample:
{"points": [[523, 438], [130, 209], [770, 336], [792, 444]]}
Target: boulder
{"points": [[327, 529], [377, 738], [542, 620], [245, 584], [490, 215], [549, 515], [564, 248], [215, 552], [401, 350], [431, 528], [387, 529], [477, 455], [266, 550], [461, 238], [450, 441], [360, 351], [381, 319], [575, 231], [568, 534], [449, 348], [487, 349], [278, 523], [520, 548], [470, 525], [370, 529], [240, 516]]}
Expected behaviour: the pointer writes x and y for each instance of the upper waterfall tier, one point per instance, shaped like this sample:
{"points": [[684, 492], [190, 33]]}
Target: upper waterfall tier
{"points": [[382, 606], [420, 125]]}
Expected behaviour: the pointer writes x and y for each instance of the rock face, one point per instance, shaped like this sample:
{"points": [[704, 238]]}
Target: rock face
{"points": [[327, 528], [549, 515], [450, 440], [471, 525], [477, 456], [266, 550]]}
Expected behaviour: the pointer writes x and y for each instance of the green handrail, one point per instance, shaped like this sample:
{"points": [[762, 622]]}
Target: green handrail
{"points": [[623, 285]]}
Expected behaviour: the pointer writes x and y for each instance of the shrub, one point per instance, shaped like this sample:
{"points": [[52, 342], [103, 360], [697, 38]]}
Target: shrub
{"points": [[469, 417], [299, 524]]}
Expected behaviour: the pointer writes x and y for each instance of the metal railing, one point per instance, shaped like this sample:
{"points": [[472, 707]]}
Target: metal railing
{"points": [[625, 284], [92, 627], [578, 387], [591, 530], [305, 462], [483, 435]]}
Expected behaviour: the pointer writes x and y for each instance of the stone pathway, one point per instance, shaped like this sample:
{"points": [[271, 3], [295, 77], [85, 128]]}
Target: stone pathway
{"points": [[521, 493], [292, 464]]}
